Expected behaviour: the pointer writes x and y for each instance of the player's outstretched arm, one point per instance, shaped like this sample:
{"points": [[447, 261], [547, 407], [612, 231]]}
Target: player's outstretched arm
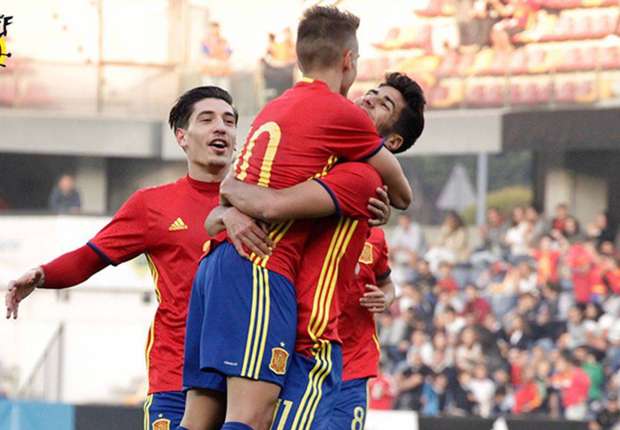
{"points": [[65, 271], [393, 176], [305, 200]]}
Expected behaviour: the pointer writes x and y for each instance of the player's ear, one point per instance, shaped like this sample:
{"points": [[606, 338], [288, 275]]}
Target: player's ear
{"points": [[393, 142], [347, 61], [179, 133]]}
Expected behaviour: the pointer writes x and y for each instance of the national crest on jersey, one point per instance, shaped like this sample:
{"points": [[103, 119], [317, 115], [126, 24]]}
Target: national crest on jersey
{"points": [[279, 359], [366, 255]]}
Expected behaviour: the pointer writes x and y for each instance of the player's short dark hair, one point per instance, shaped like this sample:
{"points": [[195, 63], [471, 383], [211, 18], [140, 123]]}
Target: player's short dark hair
{"points": [[323, 34], [410, 123], [184, 106]]}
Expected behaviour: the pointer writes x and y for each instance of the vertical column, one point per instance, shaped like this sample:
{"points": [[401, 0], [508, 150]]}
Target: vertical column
{"points": [[482, 185], [91, 181]]}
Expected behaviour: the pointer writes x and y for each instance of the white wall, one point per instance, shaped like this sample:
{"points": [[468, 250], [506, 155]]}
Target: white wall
{"points": [[105, 337]]}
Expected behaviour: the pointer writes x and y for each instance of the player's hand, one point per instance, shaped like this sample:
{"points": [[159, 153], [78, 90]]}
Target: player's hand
{"points": [[22, 288], [243, 231], [379, 207], [374, 299]]}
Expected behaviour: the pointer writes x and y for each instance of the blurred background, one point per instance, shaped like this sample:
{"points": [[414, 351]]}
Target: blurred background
{"points": [[507, 259]]}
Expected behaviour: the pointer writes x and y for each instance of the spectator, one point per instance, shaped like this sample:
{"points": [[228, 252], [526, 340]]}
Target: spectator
{"points": [[424, 279], [65, 198], [476, 305], [453, 237], [609, 417], [217, 53], [594, 370], [519, 234], [492, 233], [537, 223], [602, 229], [435, 395], [573, 384], [468, 351], [462, 399], [519, 335], [529, 395], [381, 392], [410, 379], [406, 242], [483, 390], [548, 259], [558, 222], [406, 239]]}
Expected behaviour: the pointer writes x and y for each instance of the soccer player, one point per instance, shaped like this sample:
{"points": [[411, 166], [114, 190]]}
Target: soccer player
{"points": [[299, 135], [166, 224], [330, 256], [370, 291]]}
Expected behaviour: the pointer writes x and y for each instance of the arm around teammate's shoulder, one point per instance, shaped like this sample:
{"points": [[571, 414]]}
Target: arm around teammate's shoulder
{"points": [[394, 178]]}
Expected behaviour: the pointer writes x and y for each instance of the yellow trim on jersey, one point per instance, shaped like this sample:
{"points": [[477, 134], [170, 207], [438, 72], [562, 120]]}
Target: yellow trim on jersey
{"points": [[328, 278], [330, 163], [146, 408], [259, 324], [276, 234], [306, 79], [151, 338], [374, 338], [314, 390]]}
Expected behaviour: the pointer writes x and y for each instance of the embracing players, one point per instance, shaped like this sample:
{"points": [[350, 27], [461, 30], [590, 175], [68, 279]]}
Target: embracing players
{"points": [[339, 246], [166, 224], [243, 313]]}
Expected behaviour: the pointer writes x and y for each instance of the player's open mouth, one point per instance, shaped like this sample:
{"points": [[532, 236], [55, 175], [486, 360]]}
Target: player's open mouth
{"points": [[218, 143]]}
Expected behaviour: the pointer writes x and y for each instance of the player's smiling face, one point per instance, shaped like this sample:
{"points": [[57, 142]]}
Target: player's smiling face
{"points": [[210, 137], [383, 105]]}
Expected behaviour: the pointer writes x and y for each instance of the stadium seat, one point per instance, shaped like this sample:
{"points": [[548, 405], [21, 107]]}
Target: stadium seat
{"points": [[449, 65], [447, 94], [609, 57]]}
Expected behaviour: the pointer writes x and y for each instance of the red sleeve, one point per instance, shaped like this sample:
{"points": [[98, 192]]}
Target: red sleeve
{"points": [[350, 185], [72, 268], [126, 236], [382, 267], [352, 134]]}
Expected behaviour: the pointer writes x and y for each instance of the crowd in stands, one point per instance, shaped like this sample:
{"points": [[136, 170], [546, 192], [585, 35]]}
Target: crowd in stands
{"points": [[486, 41], [525, 323]]}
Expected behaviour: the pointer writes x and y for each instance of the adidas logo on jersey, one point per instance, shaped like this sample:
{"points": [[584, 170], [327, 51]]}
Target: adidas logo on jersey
{"points": [[177, 225]]}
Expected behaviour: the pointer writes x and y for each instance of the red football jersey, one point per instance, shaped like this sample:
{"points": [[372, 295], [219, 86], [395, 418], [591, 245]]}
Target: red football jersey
{"points": [[166, 224], [331, 254], [298, 136], [360, 347]]}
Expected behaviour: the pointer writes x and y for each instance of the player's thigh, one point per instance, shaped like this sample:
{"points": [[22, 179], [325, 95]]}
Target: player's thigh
{"points": [[204, 409], [164, 411], [251, 402], [312, 384], [351, 406]]}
